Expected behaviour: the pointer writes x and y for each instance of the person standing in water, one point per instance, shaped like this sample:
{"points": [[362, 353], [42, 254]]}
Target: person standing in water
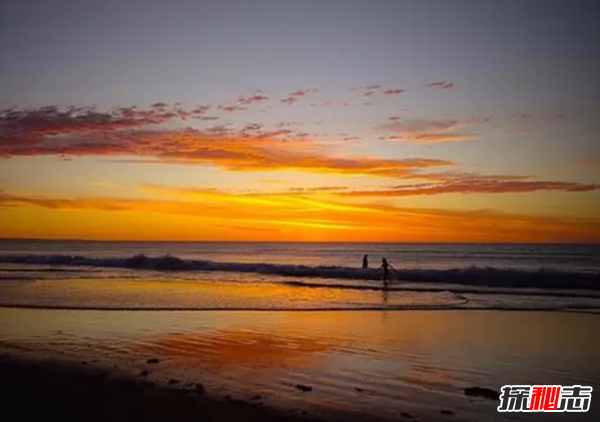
{"points": [[366, 261], [385, 275]]}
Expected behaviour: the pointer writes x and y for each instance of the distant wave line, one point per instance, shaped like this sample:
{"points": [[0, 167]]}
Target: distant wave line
{"points": [[476, 276]]}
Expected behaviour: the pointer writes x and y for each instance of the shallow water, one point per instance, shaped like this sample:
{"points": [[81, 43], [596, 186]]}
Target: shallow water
{"points": [[369, 361], [222, 293]]}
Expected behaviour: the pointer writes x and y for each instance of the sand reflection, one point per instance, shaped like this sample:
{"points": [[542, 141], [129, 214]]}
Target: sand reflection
{"points": [[419, 356], [220, 350]]}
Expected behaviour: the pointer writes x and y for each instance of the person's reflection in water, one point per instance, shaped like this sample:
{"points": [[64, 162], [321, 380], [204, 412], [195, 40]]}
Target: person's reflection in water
{"points": [[385, 294]]}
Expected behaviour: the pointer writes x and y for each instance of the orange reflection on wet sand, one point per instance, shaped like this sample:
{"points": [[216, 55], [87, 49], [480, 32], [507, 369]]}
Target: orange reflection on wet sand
{"points": [[360, 360], [223, 349]]}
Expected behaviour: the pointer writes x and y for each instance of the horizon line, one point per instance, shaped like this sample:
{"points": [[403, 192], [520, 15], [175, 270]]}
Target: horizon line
{"points": [[32, 239]]}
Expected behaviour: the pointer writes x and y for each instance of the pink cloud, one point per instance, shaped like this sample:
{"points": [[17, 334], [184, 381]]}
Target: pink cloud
{"points": [[429, 131], [441, 85], [51, 120], [391, 92], [296, 96], [254, 99]]}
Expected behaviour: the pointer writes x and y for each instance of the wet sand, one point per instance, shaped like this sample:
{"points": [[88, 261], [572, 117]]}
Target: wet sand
{"points": [[346, 365], [54, 391]]}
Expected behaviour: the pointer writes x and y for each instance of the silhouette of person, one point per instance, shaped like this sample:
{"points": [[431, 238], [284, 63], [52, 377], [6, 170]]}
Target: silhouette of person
{"points": [[385, 276], [366, 261]]}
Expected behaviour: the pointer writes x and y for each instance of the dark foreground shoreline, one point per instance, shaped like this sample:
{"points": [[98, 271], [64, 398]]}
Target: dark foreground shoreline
{"points": [[40, 391]]}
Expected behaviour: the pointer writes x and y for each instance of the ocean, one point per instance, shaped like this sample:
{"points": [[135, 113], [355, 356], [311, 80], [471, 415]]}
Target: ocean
{"points": [[297, 276]]}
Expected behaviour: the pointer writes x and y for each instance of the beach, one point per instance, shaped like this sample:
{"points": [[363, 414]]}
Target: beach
{"points": [[335, 365], [223, 331]]}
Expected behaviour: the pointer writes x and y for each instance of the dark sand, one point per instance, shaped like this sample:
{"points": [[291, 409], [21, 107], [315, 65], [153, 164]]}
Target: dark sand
{"points": [[37, 391]]}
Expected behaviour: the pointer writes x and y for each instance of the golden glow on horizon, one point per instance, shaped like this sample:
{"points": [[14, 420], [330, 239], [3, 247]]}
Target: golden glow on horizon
{"points": [[270, 217]]}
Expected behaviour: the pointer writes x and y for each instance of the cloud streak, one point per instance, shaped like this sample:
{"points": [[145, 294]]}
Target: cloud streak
{"points": [[393, 92], [439, 184], [330, 104], [296, 96], [428, 131], [440, 85], [232, 108], [430, 138], [477, 185]]}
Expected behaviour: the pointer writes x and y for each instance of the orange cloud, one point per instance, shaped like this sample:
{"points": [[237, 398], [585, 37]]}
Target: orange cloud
{"points": [[440, 85], [251, 148], [296, 217]]}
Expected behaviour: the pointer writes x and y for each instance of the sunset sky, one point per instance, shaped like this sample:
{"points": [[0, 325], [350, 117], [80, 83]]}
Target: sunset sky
{"points": [[328, 120]]}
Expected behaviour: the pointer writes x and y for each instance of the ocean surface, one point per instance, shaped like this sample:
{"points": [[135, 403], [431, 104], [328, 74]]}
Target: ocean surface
{"points": [[297, 276]]}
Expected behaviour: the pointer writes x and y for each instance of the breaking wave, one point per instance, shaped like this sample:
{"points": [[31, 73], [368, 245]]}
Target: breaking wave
{"points": [[478, 276]]}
